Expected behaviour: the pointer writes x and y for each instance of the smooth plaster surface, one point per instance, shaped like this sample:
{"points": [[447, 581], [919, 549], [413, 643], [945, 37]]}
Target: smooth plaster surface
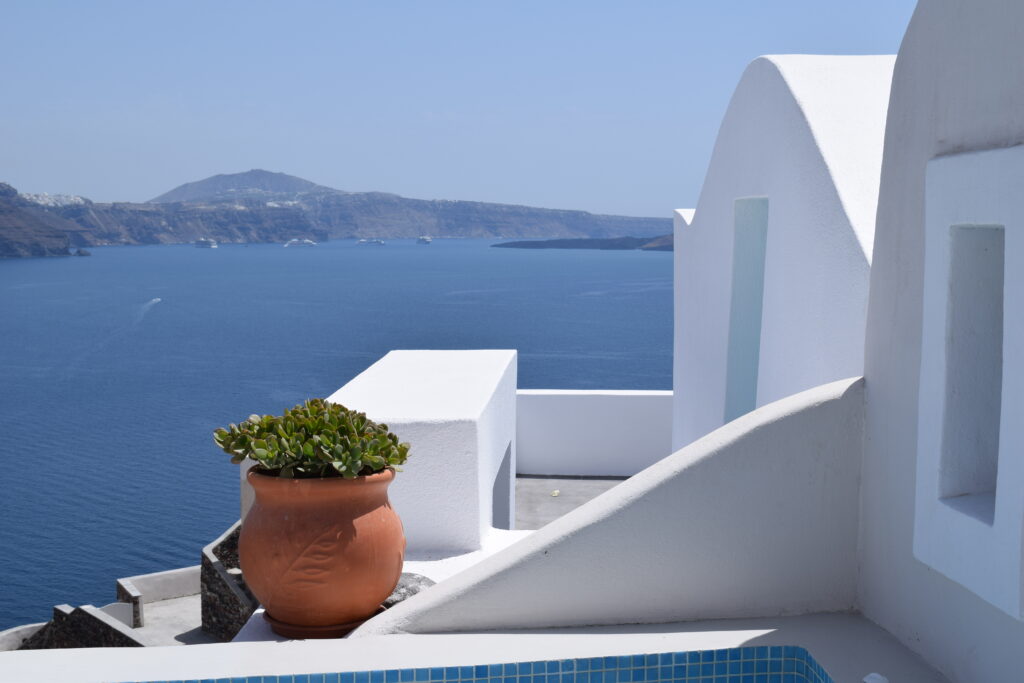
{"points": [[969, 512], [758, 518], [805, 133], [458, 410], [958, 87], [592, 433]]}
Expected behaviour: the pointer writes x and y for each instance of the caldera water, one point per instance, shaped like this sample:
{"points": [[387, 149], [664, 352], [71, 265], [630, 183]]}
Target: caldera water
{"points": [[116, 368]]}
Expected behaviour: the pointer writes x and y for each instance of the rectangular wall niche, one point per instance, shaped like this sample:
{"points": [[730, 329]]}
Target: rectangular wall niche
{"points": [[969, 488], [974, 369], [744, 352]]}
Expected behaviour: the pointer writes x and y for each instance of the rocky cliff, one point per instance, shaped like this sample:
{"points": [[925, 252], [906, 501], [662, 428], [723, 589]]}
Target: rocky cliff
{"points": [[259, 206], [122, 223], [26, 229]]}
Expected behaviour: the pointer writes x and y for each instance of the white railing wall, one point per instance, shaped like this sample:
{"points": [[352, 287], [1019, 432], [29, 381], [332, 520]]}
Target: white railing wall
{"points": [[591, 433]]}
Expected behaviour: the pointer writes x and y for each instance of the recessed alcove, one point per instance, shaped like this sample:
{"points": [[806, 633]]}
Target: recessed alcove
{"points": [[969, 493], [750, 238], [974, 370]]}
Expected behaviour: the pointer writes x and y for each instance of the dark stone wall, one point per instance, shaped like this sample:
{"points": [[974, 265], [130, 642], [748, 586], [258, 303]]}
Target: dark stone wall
{"points": [[227, 602], [75, 627]]}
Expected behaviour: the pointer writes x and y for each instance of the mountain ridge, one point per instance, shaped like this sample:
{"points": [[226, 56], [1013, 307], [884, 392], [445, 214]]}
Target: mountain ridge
{"points": [[233, 185], [264, 206]]}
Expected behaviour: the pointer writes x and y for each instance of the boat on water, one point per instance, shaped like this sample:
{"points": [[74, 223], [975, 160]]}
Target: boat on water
{"points": [[205, 243], [370, 242], [424, 239], [299, 243]]}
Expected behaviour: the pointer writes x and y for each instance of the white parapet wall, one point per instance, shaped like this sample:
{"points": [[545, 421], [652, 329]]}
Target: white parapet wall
{"points": [[757, 518], [457, 409], [591, 433], [166, 585]]}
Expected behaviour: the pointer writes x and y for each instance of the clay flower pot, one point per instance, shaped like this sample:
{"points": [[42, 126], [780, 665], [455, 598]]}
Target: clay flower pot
{"points": [[321, 555]]}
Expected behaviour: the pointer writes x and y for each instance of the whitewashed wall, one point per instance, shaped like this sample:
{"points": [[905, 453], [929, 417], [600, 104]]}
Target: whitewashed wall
{"points": [[958, 87], [757, 518], [592, 433], [458, 410], [803, 133]]}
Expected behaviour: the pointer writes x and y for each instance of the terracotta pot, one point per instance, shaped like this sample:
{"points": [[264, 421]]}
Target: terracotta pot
{"points": [[321, 555]]}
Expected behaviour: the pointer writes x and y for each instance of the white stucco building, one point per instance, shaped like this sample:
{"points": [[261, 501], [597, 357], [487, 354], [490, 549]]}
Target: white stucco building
{"points": [[876, 520], [771, 272]]}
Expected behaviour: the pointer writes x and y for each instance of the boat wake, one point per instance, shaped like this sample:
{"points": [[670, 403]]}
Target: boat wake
{"points": [[146, 307]]}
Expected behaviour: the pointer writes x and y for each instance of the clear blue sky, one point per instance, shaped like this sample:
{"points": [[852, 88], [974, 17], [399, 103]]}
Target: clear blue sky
{"points": [[610, 107]]}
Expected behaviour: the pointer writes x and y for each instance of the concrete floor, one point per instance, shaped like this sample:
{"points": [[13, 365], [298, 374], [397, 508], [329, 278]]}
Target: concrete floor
{"points": [[536, 504], [173, 622]]}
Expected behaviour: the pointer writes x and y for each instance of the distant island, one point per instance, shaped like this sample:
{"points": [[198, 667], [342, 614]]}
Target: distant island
{"points": [[662, 243], [262, 206]]}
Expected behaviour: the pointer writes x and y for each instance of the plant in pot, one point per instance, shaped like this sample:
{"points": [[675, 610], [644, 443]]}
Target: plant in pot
{"points": [[321, 547]]}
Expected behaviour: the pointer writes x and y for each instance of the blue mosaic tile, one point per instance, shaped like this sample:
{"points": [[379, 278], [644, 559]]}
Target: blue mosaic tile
{"points": [[760, 664]]}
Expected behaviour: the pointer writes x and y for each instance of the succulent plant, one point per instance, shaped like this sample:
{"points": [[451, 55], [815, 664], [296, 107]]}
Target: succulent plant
{"points": [[313, 439]]}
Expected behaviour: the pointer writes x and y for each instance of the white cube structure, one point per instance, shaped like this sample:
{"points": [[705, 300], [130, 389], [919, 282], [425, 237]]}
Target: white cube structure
{"points": [[457, 409]]}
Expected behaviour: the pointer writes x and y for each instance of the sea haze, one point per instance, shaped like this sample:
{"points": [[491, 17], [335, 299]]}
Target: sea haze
{"points": [[116, 368]]}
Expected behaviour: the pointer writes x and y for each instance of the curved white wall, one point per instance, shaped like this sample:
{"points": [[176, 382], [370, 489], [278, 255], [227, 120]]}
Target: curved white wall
{"points": [[758, 518], [958, 87], [804, 133], [591, 433]]}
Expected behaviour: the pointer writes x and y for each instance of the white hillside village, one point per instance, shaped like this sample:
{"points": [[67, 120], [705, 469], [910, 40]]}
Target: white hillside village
{"points": [[832, 492]]}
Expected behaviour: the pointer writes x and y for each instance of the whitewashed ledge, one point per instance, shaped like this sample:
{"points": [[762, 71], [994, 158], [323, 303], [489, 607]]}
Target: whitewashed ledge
{"points": [[847, 645]]}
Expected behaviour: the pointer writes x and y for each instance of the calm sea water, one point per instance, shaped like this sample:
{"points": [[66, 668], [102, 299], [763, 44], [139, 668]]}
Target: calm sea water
{"points": [[115, 369]]}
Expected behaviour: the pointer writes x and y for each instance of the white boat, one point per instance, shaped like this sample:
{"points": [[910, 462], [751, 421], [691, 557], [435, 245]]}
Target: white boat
{"points": [[368, 242], [299, 243], [205, 243], [424, 239]]}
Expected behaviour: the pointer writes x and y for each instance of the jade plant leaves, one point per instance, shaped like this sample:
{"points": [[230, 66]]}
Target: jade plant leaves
{"points": [[313, 439]]}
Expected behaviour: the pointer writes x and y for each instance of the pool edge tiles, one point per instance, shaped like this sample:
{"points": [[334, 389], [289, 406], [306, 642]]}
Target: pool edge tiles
{"points": [[761, 664]]}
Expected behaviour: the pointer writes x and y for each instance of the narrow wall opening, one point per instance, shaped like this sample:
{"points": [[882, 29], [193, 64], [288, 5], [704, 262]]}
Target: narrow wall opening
{"points": [[974, 369], [750, 239]]}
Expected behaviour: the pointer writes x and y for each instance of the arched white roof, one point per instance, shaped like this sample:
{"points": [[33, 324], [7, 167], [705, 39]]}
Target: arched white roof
{"points": [[844, 101], [805, 133]]}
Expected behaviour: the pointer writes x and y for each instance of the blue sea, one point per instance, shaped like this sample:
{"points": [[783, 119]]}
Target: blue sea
{"points": [[116, 368]]}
